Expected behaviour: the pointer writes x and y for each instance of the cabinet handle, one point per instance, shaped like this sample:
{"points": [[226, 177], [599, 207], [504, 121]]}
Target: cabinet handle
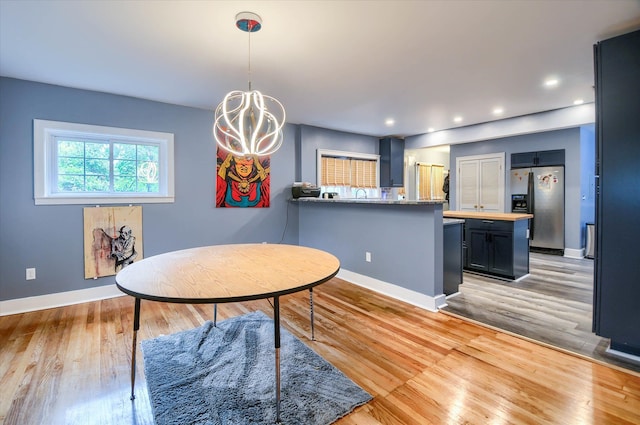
{"points": [[487, 221], [475, 206]]}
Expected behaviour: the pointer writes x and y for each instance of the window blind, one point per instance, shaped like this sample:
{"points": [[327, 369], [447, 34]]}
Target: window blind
{"points": [[430, 181], [348, 172], [363, 173]]}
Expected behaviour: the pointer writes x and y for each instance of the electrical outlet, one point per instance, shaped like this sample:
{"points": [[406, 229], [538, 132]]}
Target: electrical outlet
{"points": [[31, 274], [367, 257]]}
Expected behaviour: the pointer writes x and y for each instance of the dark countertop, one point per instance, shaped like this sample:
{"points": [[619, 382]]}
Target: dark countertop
{"points": [[378, 201]]}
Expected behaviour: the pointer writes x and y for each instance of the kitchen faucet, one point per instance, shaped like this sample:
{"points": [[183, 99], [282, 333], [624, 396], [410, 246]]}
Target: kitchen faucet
{"points": [[361, 189]]}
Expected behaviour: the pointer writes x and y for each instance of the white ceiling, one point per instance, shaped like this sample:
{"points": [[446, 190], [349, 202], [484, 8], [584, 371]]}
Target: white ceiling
{"points": [[344, 65]]}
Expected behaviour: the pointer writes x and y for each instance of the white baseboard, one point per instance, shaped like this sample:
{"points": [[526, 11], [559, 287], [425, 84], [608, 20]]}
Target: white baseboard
{"points": [[60, 299], [574, 253], [407, 295]]}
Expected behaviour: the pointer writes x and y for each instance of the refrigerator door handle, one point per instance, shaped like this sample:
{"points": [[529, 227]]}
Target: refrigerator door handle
{"points": [[531, 203]]}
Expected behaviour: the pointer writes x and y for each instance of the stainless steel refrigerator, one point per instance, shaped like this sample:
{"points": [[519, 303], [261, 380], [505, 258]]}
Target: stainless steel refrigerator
{"points": [[540, 191]]}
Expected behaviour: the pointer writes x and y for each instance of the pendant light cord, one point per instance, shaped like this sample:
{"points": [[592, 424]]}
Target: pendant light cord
{"points": [[249, 72]]}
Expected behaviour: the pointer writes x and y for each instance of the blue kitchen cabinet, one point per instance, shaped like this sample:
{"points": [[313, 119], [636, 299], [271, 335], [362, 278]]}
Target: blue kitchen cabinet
{"points": [[616, 307], [391, 151]]}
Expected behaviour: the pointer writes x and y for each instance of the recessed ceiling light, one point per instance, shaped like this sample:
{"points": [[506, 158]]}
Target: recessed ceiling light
{"points": [[457, 119], [578, 102], [551, 82], [430, 130], [389, 122], [498, 111]]}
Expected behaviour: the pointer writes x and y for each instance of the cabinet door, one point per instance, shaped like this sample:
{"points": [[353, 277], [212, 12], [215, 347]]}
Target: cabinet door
{"points": [[548, 158], [617, 290], [480, 183], [501, 253], [491, 186], [523, 159], [537, 159], [452, 273], [397, 163], [391, 151], [468, 183], [477, 250]]}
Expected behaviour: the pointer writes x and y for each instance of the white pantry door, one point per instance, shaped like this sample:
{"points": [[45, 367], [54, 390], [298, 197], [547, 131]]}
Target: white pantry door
{"points": [[480, 183]]}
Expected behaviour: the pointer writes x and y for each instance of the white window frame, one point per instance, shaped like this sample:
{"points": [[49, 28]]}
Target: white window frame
{"points": [[44, 135]]}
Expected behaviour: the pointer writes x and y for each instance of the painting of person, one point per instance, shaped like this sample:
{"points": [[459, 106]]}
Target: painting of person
{"points": [[123, 248], [242, 181], [112, 239]]}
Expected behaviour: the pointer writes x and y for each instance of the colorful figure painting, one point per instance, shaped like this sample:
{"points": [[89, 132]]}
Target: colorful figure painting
{"points": [[242, 181], [112, 239]]}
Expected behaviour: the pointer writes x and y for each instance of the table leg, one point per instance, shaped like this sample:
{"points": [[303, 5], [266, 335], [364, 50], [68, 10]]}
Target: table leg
{"points": [[136, 326], [276, 329], [215, 315], [313, 335]]}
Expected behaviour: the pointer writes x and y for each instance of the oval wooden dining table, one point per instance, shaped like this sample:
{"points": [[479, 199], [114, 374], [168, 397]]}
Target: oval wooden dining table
{"points": [[227, 273]]}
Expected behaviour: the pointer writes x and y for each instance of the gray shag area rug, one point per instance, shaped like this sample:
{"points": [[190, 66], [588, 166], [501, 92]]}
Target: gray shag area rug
{"points": [[226, 375]]}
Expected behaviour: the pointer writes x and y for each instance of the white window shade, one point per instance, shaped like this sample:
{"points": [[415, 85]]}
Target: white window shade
{"points": [[347, 169]]}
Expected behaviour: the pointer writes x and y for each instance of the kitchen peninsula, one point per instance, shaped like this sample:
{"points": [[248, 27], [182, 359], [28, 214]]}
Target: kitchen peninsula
{"points": [[496, 244], [391, 246]]}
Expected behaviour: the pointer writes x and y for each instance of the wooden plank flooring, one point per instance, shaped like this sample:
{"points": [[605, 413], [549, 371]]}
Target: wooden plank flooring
{"points": [[70, 365], [553, 305]]}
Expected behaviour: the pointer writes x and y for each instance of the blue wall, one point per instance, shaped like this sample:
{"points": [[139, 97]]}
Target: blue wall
{"points": [[405, 241], [314, 138], [50, 238]]}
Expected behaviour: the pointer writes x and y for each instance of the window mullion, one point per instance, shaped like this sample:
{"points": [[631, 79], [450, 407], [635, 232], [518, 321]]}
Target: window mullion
{"points": [[137, 189], [111, 168], [84, 165], [53, 165]]}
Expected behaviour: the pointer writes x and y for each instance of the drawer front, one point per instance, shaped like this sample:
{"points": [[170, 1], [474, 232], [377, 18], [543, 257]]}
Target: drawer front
{"points": [[491, 225]]}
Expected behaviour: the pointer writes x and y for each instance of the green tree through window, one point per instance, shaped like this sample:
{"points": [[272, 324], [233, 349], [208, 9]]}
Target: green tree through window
{"points": [[105, 166]]}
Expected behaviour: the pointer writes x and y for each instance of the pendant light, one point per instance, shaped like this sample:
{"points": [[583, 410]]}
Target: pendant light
{"points": [[249, 123]]}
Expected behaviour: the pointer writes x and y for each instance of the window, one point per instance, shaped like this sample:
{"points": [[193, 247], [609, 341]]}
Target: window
{"points": [[429, 181], [86, 164], [348, 173]]}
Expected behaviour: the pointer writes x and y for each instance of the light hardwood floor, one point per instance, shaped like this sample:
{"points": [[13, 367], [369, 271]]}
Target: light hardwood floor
{"points": [[70, 365], [553, 305]]}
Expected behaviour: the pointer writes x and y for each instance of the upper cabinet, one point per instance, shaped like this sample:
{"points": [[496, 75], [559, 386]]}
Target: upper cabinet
{"points": [[537, 159], [391, 162]]}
